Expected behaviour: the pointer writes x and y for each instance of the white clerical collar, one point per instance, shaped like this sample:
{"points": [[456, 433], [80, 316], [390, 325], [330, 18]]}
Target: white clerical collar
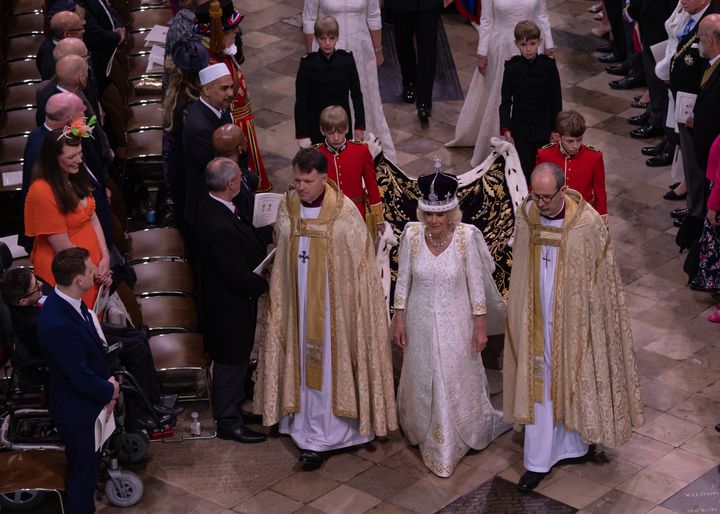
{"points": [[714, 59], [63, 89], [72, 301], [227, 204], [217, 112], [46, 126]]}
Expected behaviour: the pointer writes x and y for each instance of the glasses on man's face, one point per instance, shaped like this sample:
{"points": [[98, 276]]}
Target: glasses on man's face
{"points": [[543, 198], [38, 286]]}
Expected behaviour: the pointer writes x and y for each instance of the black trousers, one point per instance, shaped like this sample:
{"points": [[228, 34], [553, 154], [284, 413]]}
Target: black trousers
{"points": [[417, 68], [137, 359], [527, 151], [613, 11], [657, 109], [697, 184], [228, 387], [83, 463]]}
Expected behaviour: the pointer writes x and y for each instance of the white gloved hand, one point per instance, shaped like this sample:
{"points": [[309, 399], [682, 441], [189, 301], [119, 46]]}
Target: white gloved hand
{"points": [[305, 142]]}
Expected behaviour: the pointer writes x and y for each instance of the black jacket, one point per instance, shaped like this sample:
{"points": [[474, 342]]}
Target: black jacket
{"points": [[44, 59], [200, 124], [322, 82], [707, 118], [531, 97], [412, 5], [100, 38], [686, 66], [229, 249], [651, 16]]}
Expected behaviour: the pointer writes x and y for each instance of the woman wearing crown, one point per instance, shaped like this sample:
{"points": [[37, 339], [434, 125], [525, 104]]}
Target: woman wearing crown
{"points": [[446, 303], [60, 209]]}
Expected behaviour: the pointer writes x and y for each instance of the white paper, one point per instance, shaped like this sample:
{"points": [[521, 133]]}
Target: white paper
{"points": [[104, 428], [658, 50], [156, 59], [684, 105], [16, 250], [157, 34], [670, 120], [266, 207], [12, 178], [264, 264]]}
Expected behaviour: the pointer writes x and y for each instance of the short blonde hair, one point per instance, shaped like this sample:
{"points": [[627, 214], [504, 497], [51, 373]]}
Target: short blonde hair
{"points": [[454, 216], [327, 26], [334, 118]]}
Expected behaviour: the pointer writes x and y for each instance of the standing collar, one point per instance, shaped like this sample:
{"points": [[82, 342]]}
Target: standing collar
{"points": [[333, 150]]}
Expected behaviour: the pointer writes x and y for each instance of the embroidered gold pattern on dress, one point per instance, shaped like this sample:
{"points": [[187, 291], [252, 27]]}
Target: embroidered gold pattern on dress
{"points": [[437, 434]]}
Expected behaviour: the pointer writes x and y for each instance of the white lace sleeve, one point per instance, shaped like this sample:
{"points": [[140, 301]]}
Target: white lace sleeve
{"points": [[405, 255], [474, 274], [310, 15], [374, 20], [485, 27], [544, 22]]}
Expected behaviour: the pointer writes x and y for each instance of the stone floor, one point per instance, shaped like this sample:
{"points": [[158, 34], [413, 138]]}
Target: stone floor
{"points": [[678, 351]]}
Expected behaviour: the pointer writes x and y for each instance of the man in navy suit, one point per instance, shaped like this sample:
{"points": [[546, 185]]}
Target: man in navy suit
{"points": [[208, 113], [80, 387], [103, 35], [229, 249], [63, 24]]}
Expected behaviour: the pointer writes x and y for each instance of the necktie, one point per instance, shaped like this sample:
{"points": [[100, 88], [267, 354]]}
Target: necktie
{"points": [[86, 315], [687, 28], [235, 211]]}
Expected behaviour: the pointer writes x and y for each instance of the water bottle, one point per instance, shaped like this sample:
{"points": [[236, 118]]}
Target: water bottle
{"points": [[150, 209], [195, 428]]}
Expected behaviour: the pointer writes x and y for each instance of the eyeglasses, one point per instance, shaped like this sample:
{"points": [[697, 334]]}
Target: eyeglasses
{"points": [[38, 286], [544, 198]]}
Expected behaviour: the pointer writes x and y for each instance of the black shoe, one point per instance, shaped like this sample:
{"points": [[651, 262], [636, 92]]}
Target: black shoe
{"points": [[250, 418], [661, 159], [640, 120], [409, 93], [677, 223], [241, 434], [162, 409], [673, 196], [617, 69], [627, 82], [605, 49], [674, 185], [611, 57], [679, 214], [652, 151], [637, 104], [311, 460], [424, 112], [530, 480], [646, 132]]}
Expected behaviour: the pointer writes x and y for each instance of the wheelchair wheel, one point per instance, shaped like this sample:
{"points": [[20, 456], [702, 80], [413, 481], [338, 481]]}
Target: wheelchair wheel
{"points": [[22, 500], [132, 446], [127, 492]]}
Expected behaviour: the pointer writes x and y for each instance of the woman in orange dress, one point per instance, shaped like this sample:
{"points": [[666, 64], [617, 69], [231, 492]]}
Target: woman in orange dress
{"points": [[60, 209]]}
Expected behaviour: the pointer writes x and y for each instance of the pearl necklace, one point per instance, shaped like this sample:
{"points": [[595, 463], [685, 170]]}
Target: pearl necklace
{"points": [[438, 244]]}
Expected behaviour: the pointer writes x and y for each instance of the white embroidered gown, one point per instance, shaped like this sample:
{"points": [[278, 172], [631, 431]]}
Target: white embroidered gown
{"points": [[479, 119], [443, 401], [356, 18]]}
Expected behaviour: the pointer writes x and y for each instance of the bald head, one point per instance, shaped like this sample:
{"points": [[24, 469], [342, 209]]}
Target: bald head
{"points": [[61, 108], [66, 24], [71, 72], [223, 177], [229, 141], [709, 36], [70, 46]]}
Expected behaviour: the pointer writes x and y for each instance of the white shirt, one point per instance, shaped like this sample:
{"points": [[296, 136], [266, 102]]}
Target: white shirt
{"points": [[76, 305], [217, 112], [714, 59], [227, 204]]}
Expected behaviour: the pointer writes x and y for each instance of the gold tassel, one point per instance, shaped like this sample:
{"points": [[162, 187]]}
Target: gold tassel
{"points": [[216, 27]]}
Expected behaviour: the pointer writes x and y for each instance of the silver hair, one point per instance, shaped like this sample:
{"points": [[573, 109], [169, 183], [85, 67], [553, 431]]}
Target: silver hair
{"points": [[555, 170], [454, 216], [219, 172]]}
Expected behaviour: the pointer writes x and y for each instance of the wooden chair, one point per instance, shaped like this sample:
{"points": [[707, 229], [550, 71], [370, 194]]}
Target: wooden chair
{"points": [[17, 122], [139, 95], [139, 4], [33, 470], [25, 24], [22, 97], [28, 7], [145, 117], [22, 72], [24, 47], [156, 244], [137, 68], [167, 314], [181, 351], [147, 17], [12, 149], [163, 278]]}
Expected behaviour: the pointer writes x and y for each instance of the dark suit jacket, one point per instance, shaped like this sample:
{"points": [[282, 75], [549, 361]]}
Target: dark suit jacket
{"points": [[687, 67], [531, 97], [200, 124], [412, 5], [79, 370], [44, 59], [651, 16], [89, 98], [100, 37], [707, 118], [229, 249], [93, 161]]}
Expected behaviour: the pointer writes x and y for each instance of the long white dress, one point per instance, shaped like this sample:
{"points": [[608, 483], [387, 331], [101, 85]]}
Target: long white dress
{"points": [[443, 401], [356, 19], [479, 118], [315, 427]]}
